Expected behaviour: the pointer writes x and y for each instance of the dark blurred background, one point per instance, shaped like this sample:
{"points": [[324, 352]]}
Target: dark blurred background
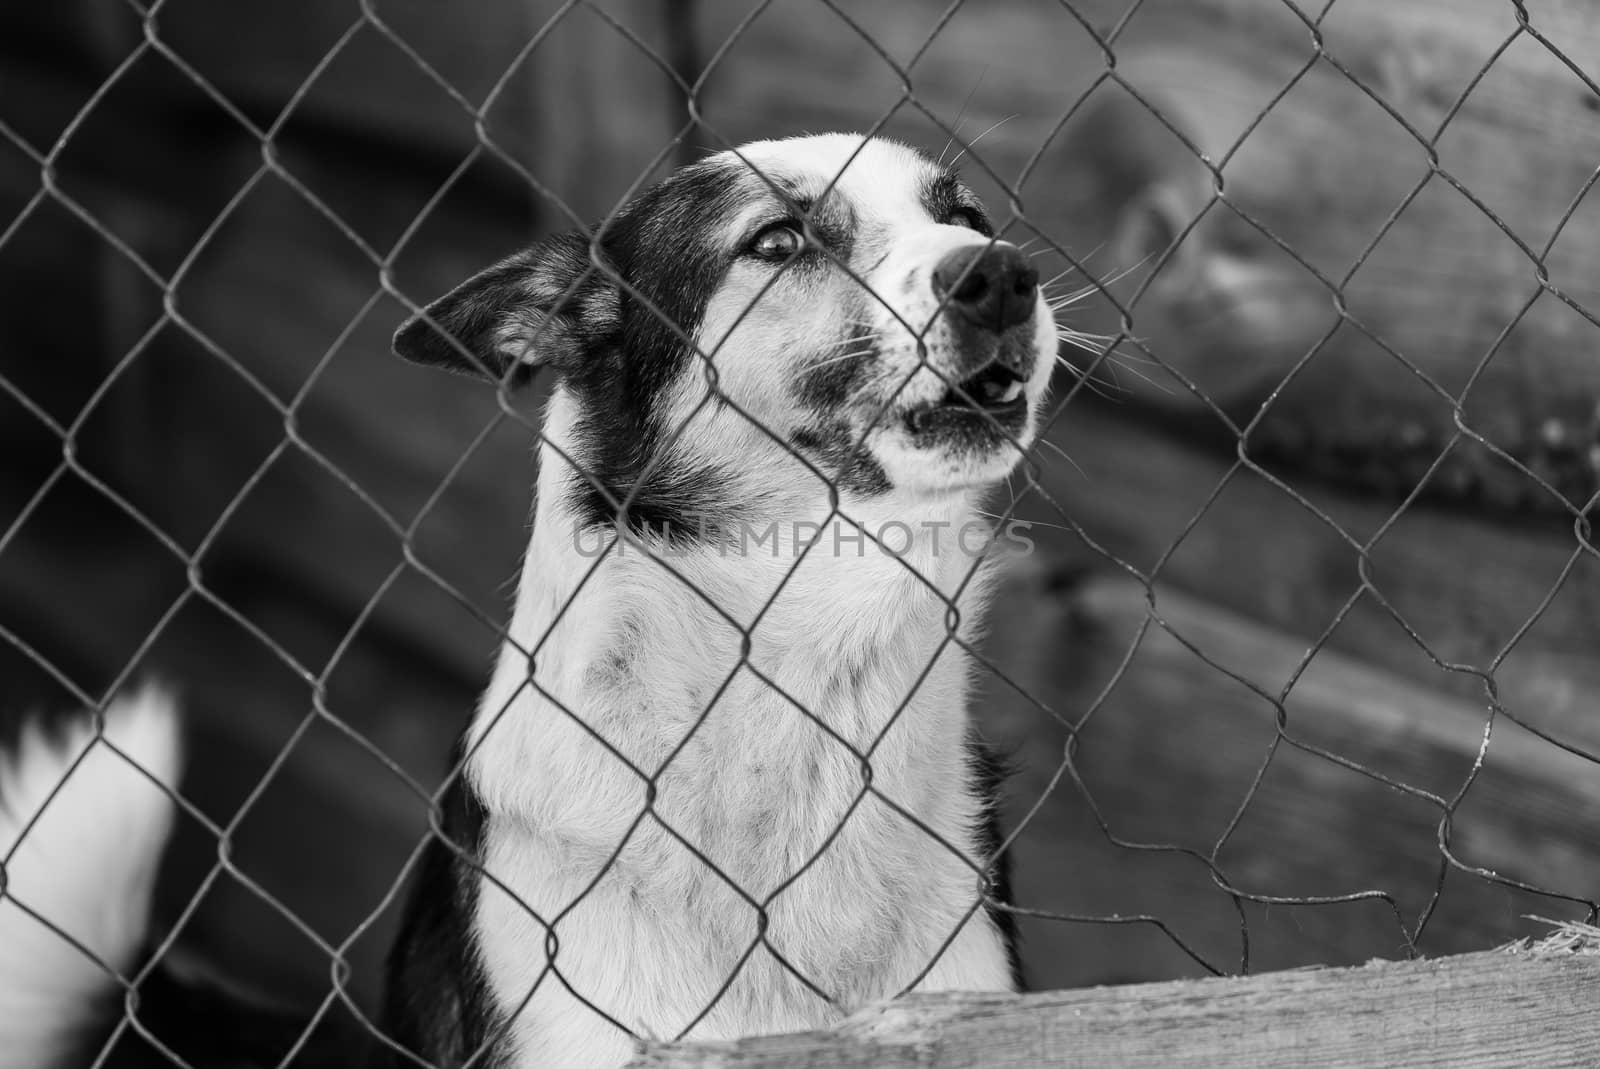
{"points": [[1323, 521]]}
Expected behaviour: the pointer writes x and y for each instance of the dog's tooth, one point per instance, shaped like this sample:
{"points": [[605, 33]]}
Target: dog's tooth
{"points": [[1012, 392]]}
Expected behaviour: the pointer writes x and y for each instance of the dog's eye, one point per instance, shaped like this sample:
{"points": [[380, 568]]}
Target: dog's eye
{"points": [[780, 241], [964, 217]]}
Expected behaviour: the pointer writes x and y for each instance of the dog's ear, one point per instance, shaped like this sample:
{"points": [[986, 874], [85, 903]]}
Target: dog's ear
{"points": [[539, 307]]}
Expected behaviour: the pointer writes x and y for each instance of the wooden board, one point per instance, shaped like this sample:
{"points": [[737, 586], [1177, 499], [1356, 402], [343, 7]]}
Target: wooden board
{"points": [[1479, 1010], [1171, 751], [1466, 587]]}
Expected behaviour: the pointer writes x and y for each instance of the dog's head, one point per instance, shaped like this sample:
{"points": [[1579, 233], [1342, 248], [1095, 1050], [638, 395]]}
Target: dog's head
{"points": [[823, 310]]}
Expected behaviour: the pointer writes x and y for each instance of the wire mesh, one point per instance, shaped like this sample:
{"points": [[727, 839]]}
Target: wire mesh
{"points": [[1560, 474]]}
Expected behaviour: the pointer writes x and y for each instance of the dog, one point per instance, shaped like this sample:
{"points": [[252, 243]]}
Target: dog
{"points": [[723, 780]]}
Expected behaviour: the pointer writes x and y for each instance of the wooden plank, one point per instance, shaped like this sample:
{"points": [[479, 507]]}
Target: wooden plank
{"points": [[1479, 1010], [1170, 750], [1467, 588]]}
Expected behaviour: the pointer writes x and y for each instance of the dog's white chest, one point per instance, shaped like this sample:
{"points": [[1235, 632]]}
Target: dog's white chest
{"points": [[746, 874]]}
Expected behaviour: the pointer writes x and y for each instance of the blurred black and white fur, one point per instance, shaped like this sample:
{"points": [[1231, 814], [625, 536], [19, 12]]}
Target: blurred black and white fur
{"points": [[672, 731], [87, 806], [84, 818]]}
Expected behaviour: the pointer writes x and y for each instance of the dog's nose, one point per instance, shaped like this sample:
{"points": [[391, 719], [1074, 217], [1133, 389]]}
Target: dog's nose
{"points": [[992, 285]]}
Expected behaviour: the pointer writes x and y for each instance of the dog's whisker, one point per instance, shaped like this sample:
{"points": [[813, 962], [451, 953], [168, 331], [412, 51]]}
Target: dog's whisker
{"points": [[1042, 523], [1066, 297], [866, 342], [1103, 345], [1079, 264], [1122, 356], [1064, 455], [1059, 275], [961, 116], [1107, 283], [1106, 346], [1113, 354], [1094, 344], [854, 339], [1093, 287], [980, 137], [837, 359], [1074, 296], [1063, 330], [1109, 391], [1112, 361], [1095, 385]]}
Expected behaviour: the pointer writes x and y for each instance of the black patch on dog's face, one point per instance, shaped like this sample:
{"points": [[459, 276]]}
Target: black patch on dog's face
{"points": [[669, 251], [835, 449], [827, 382]]}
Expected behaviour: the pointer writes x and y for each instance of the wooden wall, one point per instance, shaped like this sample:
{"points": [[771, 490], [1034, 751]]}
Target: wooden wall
{"points": [[262, 427]]}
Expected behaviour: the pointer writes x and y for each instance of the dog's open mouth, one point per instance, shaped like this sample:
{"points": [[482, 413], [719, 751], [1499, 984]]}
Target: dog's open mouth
{"points": [[995, 392], [994, 388]]}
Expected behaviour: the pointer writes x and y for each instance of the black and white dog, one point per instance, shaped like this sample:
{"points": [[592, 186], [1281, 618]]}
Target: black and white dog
{"points": [[663, 822], [723, 780]]}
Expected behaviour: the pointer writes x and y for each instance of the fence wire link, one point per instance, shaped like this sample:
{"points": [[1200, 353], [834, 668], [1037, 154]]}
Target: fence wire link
{"points": [[696, 131]]}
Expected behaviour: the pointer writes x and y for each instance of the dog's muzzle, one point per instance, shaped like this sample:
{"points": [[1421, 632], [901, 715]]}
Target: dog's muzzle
{"points": [[990, 294]]}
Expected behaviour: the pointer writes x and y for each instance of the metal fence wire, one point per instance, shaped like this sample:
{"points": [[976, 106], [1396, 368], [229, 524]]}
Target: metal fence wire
{"points": [[1556, 477]]}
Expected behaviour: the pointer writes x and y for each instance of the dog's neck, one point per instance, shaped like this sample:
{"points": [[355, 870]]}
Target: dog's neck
{"points": [[638, 639]]}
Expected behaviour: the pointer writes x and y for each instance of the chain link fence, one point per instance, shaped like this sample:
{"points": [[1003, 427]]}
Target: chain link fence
{"points": [[1180, 201]]}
